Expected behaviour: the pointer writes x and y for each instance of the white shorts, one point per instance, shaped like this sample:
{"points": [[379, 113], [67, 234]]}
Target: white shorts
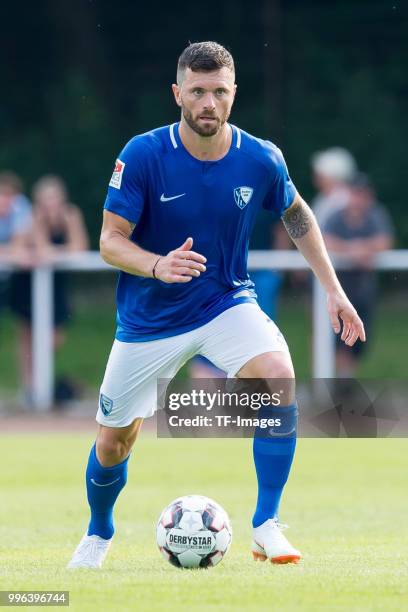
{"points": [[230, 340]]}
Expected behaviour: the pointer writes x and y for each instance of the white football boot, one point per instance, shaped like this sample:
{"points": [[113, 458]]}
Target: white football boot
{"points": [[270, 543], [90, 552]]}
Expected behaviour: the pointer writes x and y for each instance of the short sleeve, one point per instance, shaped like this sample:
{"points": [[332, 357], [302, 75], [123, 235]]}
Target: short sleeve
{"points": [[282, 191], [126, 192]]}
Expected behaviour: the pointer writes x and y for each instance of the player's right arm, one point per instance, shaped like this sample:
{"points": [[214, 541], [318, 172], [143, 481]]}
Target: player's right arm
{"points": [[124, 205], [178, 266]]}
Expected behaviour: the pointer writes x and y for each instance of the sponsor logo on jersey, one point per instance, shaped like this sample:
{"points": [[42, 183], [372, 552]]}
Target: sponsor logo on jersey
{"points": [[164, 199], [106, 404], [116, 179], [243, 196]]}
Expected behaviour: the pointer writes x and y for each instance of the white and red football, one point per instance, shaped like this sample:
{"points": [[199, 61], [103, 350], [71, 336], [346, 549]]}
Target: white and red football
{"points": [[194, 531]]}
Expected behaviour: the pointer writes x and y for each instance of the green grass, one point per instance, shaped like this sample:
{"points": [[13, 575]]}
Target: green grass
{"points": [[90, 335], [346, 503]]}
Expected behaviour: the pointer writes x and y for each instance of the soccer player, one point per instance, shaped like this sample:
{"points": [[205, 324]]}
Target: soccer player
{"points": [[197, 183]]}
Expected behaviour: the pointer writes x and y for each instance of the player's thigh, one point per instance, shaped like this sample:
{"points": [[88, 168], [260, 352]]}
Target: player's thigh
{"points": [[239, 335], [129, 387]]}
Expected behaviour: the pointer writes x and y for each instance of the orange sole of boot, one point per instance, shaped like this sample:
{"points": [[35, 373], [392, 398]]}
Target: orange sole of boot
{"points": [[278, 560]]}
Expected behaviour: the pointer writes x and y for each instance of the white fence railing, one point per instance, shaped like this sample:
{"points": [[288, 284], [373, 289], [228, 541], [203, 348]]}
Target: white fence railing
{"points": [[42, 308]]}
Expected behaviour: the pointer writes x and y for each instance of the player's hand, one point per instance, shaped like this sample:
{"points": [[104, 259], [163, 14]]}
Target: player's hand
{"points": [[340, 307], [180, 265]]}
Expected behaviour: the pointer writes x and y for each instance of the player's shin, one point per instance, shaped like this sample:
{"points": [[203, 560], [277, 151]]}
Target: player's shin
{"points": [[273, 450], [103, 485]]}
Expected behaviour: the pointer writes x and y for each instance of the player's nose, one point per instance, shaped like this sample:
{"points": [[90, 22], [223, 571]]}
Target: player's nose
{"points": [[209, 101]]}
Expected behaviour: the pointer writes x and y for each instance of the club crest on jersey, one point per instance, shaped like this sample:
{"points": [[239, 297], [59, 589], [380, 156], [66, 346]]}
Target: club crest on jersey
{"points": [[106, 404], [242, 196], [116, 179]]}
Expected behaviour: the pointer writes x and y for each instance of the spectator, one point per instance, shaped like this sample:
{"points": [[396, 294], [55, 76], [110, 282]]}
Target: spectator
{"points": [[360, 230], [15, 221], [15, 232], [58, 227], [332, 170]]}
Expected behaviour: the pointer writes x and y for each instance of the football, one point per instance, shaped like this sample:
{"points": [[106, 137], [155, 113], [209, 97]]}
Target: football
{"points": [[194, 531]]}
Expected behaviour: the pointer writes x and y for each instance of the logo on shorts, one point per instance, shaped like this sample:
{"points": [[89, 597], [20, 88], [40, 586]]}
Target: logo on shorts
{"points": [[242, 196], [116, 179], [106, 404], [280, 338]]}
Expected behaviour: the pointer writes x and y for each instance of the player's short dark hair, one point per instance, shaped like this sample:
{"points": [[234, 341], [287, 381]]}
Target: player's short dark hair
{"points": [[204, 57]]}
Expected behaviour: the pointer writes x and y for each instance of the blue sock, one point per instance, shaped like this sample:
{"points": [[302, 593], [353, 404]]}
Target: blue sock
{"points": [[103, 485], [273, 456]]}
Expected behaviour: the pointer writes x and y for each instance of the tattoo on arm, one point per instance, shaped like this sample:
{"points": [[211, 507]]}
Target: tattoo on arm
{"points": [[297, 219]]}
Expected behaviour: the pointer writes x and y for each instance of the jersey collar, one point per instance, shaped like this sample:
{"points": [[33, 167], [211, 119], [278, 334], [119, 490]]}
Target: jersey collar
{"points": [[177, 144]]}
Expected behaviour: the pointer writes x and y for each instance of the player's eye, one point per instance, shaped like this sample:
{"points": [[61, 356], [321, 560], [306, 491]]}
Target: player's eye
{"points": [[197, 91], [220, 91]]}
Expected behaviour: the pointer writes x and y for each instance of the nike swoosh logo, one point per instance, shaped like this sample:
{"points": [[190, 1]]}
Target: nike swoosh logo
{"points": [[281, 435], [164, 199], [104, 485]]}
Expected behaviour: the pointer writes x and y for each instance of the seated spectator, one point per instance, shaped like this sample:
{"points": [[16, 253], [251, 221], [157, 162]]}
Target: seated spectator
{"points": [[361, 229], [58, 227]]}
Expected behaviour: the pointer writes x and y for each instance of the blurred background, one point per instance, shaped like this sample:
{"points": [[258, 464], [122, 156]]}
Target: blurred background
{"points": [[325, 81]]}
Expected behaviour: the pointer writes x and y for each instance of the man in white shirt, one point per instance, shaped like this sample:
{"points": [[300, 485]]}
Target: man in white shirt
{"points": [[332, 170]]}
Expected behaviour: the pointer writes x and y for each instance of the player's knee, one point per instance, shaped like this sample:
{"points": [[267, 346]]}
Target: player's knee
{"points": [[277, 370], [281, 370], [273, 365], [280, 376], [111, 451]]}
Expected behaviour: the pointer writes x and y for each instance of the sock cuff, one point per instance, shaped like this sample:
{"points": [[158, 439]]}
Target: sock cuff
{"points": [[290, 409]]}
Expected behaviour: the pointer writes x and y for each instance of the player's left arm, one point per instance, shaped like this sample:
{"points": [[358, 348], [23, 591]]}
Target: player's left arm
{"points": [[302, 227]]}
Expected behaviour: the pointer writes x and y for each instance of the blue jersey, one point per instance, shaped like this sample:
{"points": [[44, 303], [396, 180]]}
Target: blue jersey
{"points": [[170, 195]]}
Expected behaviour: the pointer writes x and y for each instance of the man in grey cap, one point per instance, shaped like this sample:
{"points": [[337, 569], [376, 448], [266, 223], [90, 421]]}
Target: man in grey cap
{"points": [[360, 230]]}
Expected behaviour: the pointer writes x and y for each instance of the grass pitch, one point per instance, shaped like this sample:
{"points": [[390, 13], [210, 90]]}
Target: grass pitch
{"points": [[346, 503]]}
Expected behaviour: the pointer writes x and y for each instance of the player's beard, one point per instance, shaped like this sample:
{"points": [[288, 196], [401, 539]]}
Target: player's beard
{"points": [[204, 130]]}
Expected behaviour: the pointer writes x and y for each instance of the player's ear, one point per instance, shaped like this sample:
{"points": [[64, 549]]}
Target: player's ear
{"points": [[176, 93]]}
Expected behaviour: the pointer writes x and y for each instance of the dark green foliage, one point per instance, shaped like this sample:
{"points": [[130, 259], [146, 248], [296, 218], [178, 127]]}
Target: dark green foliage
{"points": [[80, 78]]}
